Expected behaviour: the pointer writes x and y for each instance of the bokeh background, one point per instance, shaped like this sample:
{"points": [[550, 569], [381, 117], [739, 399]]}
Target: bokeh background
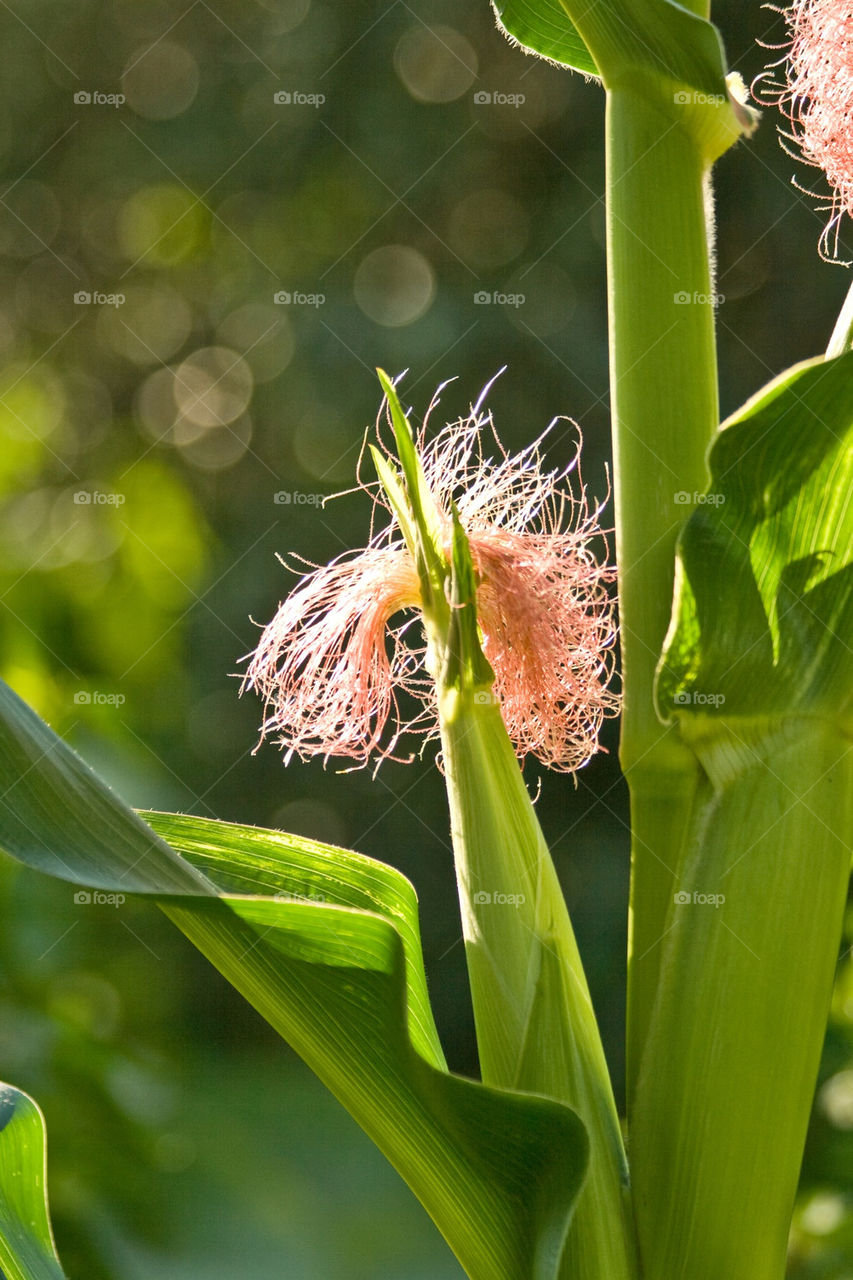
{"points": [[215, 220]]}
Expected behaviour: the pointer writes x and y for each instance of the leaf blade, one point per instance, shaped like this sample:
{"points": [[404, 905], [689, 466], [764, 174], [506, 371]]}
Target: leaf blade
{"points": [[27, 1250], [764, 601], [545, 29], [757, 671], [499, 1171]]}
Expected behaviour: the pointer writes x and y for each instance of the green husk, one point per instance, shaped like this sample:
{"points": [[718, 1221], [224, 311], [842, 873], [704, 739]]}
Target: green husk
{"points": [[536, 1028]]}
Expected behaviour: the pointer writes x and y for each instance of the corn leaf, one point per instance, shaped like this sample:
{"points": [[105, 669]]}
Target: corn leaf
{"points": [[27, 1250], [758, 674], [325, 944], [764, 598], [657, 49], [543, 27]]}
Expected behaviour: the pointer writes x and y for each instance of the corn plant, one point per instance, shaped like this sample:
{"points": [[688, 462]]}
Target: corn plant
{"points": [[481, 603]]}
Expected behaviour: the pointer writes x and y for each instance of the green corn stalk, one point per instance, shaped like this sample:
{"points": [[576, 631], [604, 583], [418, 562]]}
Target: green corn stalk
{"points": [[726, 1011], [669, 116], [665, 409]]}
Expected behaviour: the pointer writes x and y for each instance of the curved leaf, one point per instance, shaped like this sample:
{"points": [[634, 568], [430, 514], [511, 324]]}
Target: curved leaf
{"points": [[325, 944], [764, 600], [27, 1250], [543, 27], [758, 672], [660, 49], [57, 816], [292, 869]]}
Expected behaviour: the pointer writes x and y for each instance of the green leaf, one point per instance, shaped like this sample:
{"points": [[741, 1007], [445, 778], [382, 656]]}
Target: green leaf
{"points": [[27, 1251], [396, 496], [421, 523], [543, 27], [466, 666], [332, 979], [748, 954], [661, 50], [324, 943], [57, 816], [757, 673], [764, 600]]}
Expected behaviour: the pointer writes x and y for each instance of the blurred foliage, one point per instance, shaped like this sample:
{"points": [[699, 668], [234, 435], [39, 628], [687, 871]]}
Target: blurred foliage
{"points": [[164, 439]]}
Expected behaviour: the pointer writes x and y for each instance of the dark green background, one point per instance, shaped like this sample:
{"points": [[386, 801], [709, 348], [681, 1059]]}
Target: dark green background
{"points": [[185, 1139]]}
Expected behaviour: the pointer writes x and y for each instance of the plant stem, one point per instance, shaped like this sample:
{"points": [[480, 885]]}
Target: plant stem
{"points": [[664, 406]]}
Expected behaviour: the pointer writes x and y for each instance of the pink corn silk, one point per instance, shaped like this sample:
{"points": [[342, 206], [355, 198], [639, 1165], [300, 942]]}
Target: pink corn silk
{"points": [[817, 97], [334, 660]]}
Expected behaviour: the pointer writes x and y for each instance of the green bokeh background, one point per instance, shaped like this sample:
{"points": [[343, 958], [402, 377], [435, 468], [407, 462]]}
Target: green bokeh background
{"points": [[163, 441]]}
